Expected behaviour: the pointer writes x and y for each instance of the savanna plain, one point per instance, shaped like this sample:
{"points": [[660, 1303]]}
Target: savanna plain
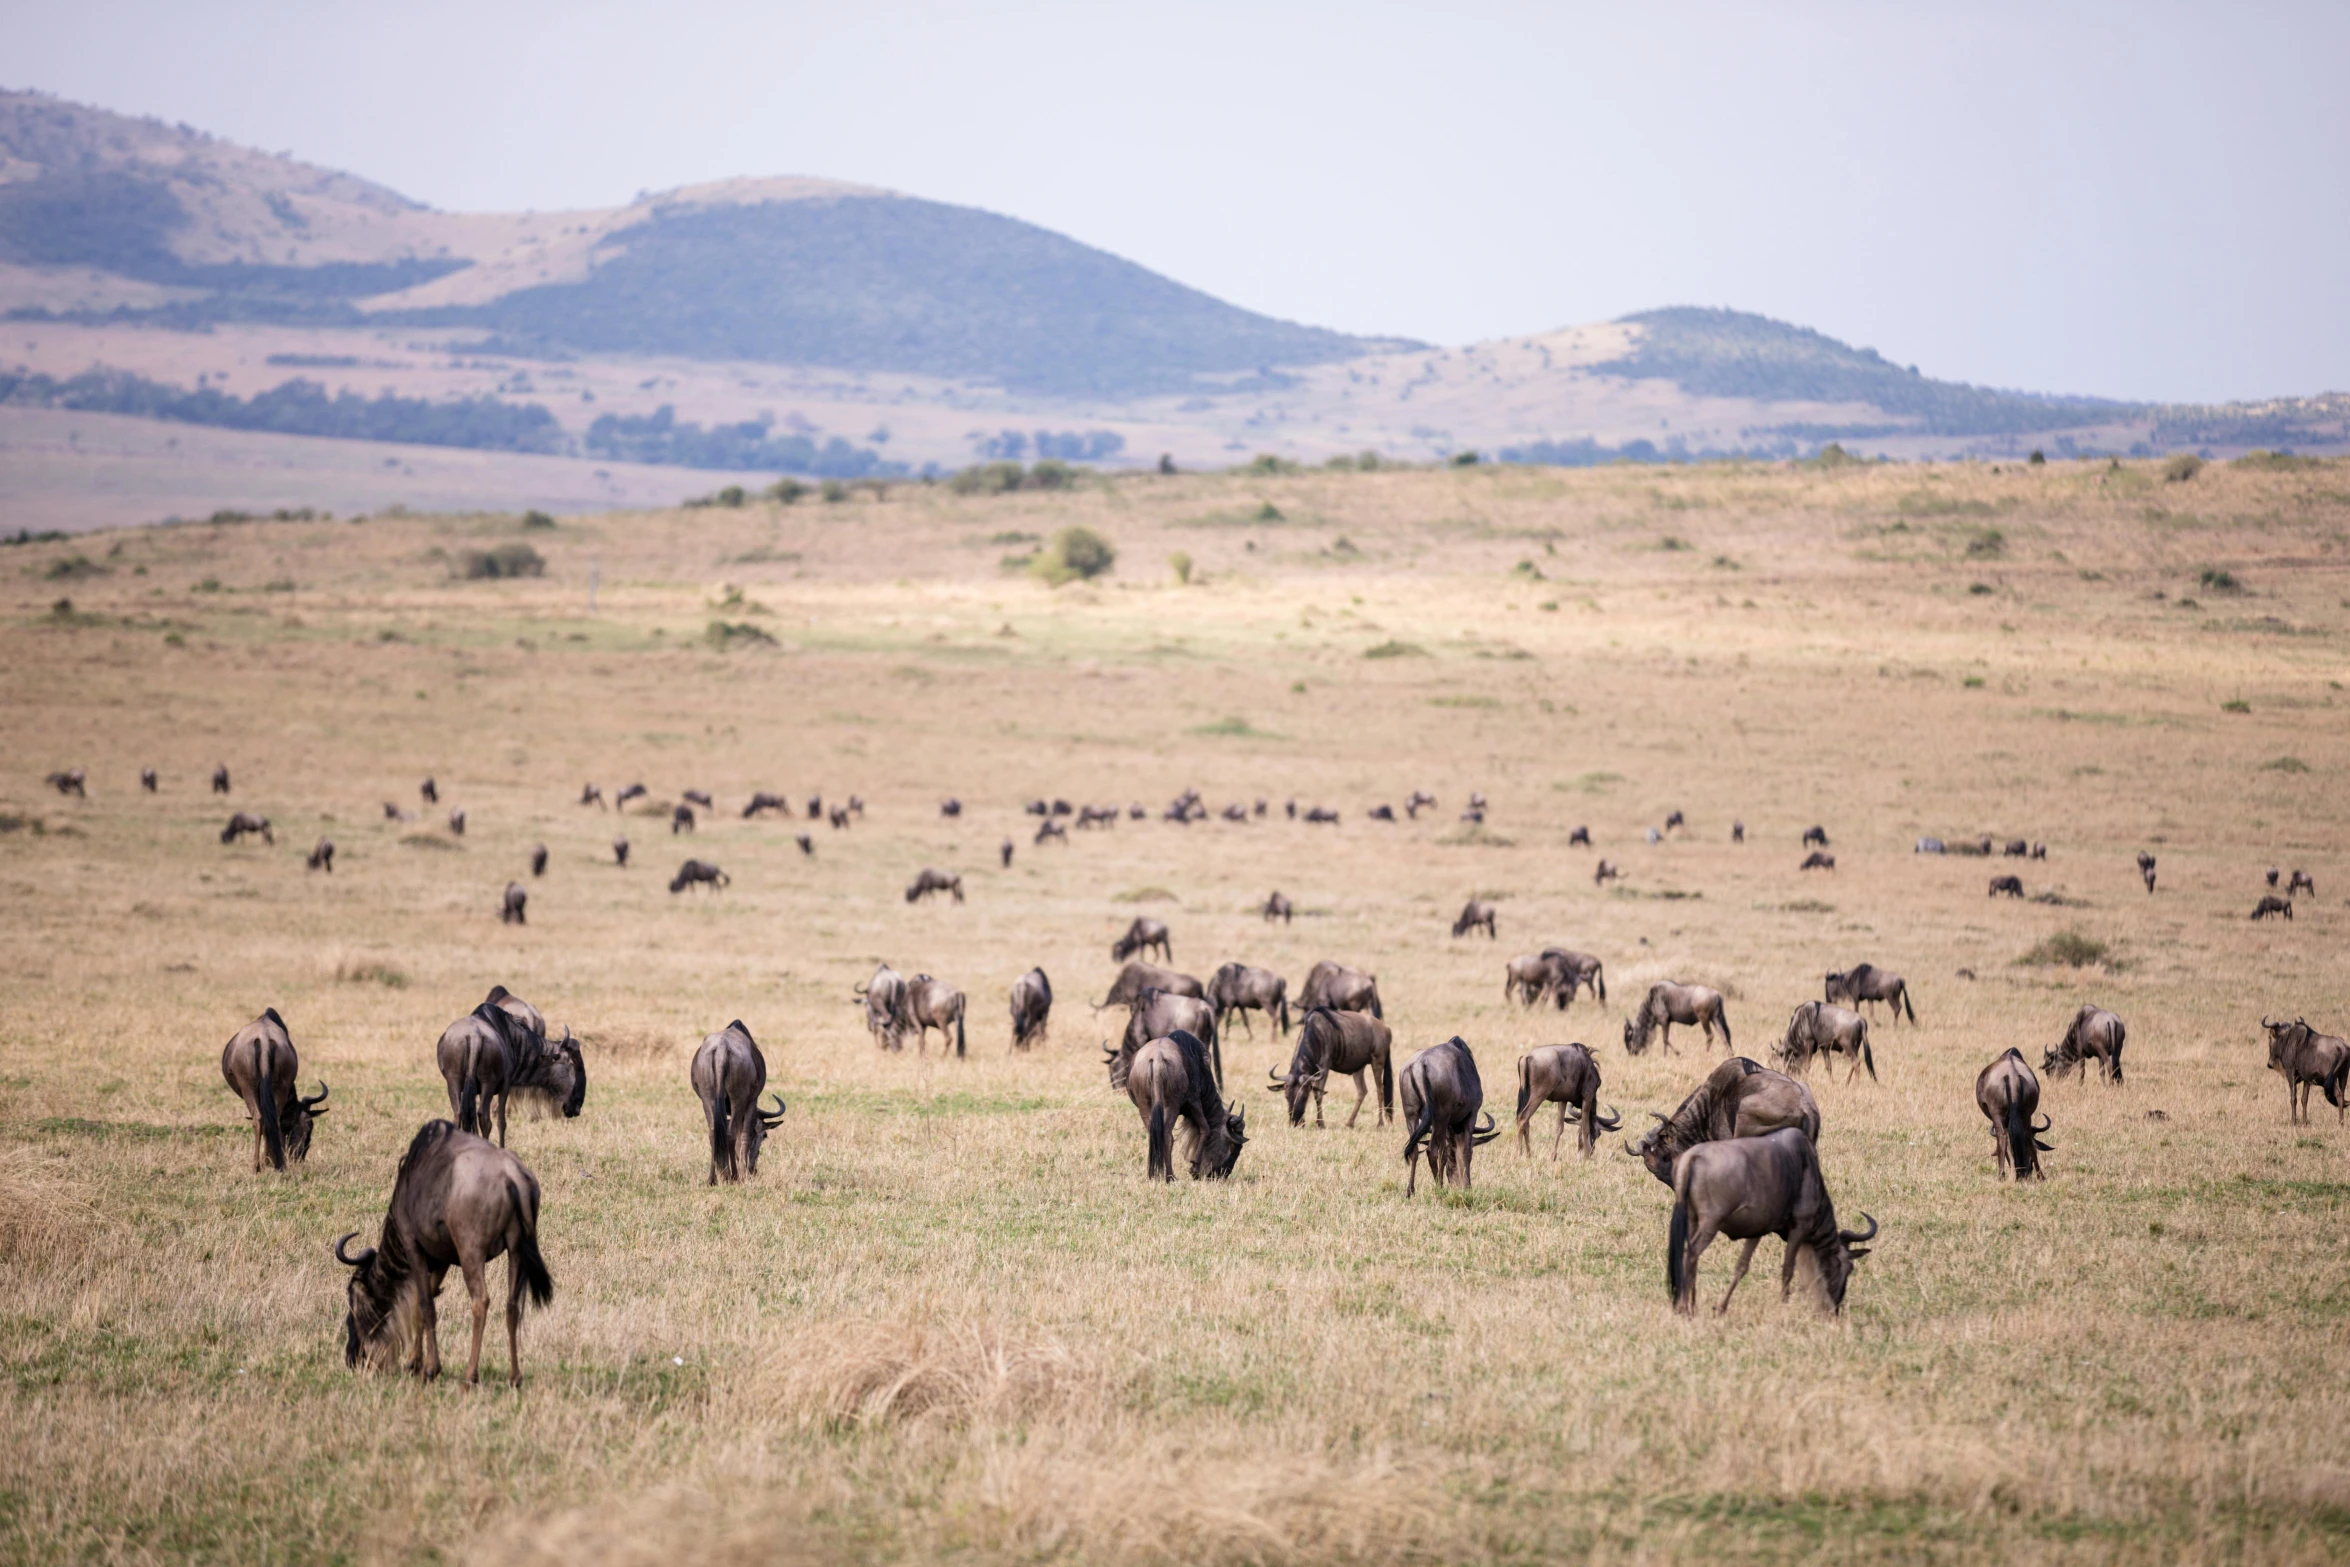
{"points": [[950, 1319]]}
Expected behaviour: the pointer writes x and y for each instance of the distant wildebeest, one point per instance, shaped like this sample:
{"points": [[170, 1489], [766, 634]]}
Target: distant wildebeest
{"points": [[592, 794], [1739, 1098], [1673, 820], [1239, 989], [1091, 816], [1381, 813], [1258, 810], [1568, 1076], [1527, 978], [1237, 812], [950, 807], [1652, 835], [2300, 881], [430, 790], [634, 791], [2146, 868], [1291, 807], [1576, 970], [396, 813], [1737, 832], [1748, 1188], [2273, 874], [1158, 1013], [500, 1049], [857, 806], [457, 1202], [1474, 815], [1322, 816], [806, 843], [2093, 1032], [1037, 808], [2017, 849], [1347, 1043], [700, 797], [884, 1000], [1474, 913], [1169, 1082], [815, 807], [1141, 936], [839, 817], [1476, 800], [220, 779], [69, 782], [2272, 905], [2007, 1093], [728, 1075], [1865, 984], [1276, 907], [681, 819], [1581, 835], [1136, 811], [1032, 1008], [244, 822], [322, 856], [2309, 1059], [763, 802], [1814, 837], [1818, 1028], [1048, 831], [1606, 872], [261, 1069], [1930, 846], [1062, 807], [147, 779], [1818, 860], [538, 860], [930, 880], [457, 821], [1669, 1003], [620, 851], [1415, 800], [699, 873], [2007, 886], [1138, 976], [1005, 849], [1442, 1096], [933, 1003], [1346, 989], [2039, 851]]}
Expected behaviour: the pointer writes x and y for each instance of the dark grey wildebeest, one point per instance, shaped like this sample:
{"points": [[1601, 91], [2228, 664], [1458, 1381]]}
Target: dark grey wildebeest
{"points": [[538, 860], [1474, 913], [220, 779], [1158, 1013], [1748, 1188], [681, 819], [592, 794], [1527, 978], [1606, 871], [1818, 860], [884, 999], [72, 781], [762, 801], [1820, 1029], [1138, 976], [1576, 971], [2008, 1094], [699, 873], [628, 792], [1815, 837], [2272, 905], [728, 1075], [1238, 989], [2146, 868], [1568, 1076], [1341, 988], [700, 797], [1276, 907], [322, 856], [620, 852], [457, 821], [1667, 1004], [2309, 1059], [430, 790], [1442, 1096], [1739, 1098], [261, 1069], [1579, 835], [2300, 881], [933, 1003], [500, 1049], [511, 909], [1032, 1008], [148, 780], [457, 1202], [1170, 1082], [1142, 936], [1865, 984], [2093, 1033], [931, 879], [243, 822], [2007, 886], [1348, 1043]]}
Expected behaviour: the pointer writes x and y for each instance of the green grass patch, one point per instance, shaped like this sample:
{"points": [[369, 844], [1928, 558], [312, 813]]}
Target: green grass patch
{"points": [[1392, 648], [2067, 949]]}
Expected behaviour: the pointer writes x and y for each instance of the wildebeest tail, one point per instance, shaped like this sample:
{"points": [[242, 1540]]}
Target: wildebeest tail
{"points": [[1525, 1085], [958, 1036], [265, 1101], [1677, 1244], [469, 1088], [1868, 1057], [721, 1134], [1907, 1010], [1162, 1154], [2020, 1149], [1599, 979], [2334, 1084], [1421, 1129], [525, 1246]]}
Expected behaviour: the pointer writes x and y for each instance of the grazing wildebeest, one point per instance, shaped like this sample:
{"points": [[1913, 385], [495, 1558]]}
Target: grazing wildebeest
{"points": [[1441, 1100], [2300, 881], [1032, 1008], [1527, 978], [457, 1202], [1136, 811], [500, 1048], [620, 851], [70, 782], [1156, 1014], [1238, 988], [1237, 812], [430, 790], [1668, 1004], [857, 806], [1348, 1043], [2017, 849], [950, 807], [634, 791], [933, 1003], [698, 873], [2092, 1032], [1653, 835], [2039, 851], [681, 819], [457, 821], [2146, 868], [762, 802], [815, 807], [243, 822], [1568, 1076], [728, 1075], [538, 860], [220, 779], [2272, 905], [1320, 815], [1062, 807], [1276, 907], [806, 843], [1141, 936], [839, 817], [2007, 886], [1581, 835], [884, 999], [1475, 815], [1930, 846], [1474, 913], [1381, 813], [2308, 1059], [1749, 1188], [1738, 832], [1576, 970], [930, 880], [1818, 1028], [1291, 807], [1865, 984], [395, 813], [700, 797], [1739, 1098], [147, 779], [1675, 819], [261, 1069], [2007, 1093], [1092, 816], [1606, 872], [1006, 851], [1346, 989], [592, 794], [1476, 800], [1814, 837], [2273, 874], [1138, 976], [322, 856], [1417, 799], [1037, 808], [1818, 860], [1169, 1081]]}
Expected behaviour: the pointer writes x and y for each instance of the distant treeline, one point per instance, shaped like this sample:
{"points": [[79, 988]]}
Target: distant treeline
{"points": [[662, 437], [1062, 445], [299, 408]]}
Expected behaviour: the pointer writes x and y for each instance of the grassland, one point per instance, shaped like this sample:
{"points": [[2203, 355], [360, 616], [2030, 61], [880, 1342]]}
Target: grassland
{"points": [[950, 1320]]}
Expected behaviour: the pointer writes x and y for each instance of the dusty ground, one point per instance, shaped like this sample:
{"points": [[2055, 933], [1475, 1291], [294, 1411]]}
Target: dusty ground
{"points": [[950, 1319]]}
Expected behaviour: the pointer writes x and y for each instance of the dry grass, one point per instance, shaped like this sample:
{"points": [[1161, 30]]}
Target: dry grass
{"points": [[950, 1319]]}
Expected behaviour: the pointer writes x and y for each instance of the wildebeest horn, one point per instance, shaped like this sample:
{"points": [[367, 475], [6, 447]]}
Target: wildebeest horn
{"points": [[772, 1119], [2264, 1022], [347, 1261], [1279, 1077], [1486, 1133], [1660, 1120], [313, 1105], [1855, 1237], [1610, 1122], [2045, 1123]]}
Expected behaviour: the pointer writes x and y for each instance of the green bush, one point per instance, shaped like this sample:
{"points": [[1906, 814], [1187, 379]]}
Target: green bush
{"points": [[1050, 474], [1074, 554], [1268, 512], [504, 560], [73, 568], [1988, 544], [2038, 458], [1392, 648], [2067, 949], [993, 478], [1464, 459], [2274, 462], [2218, 579], [725, 635], [1265, 463], [535, 521], [1180, 563], [785, 491], [835, 492], [2181, 468]]}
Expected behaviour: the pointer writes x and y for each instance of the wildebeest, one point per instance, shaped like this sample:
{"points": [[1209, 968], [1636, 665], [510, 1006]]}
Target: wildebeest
{"points": [[1818, 860], [839, 817], [700, 797], [1321, 815], [1032, 1008], [1006, 850], [220, 779], [1136, 811], [1238, 988], [1062, 807], [322, 856], [1739, 1098], [1381, 813], [815, 807], [430, 790], [1276, 907], [147, 779], [72, 781], [1568, 1076], [1814, 836], [1157, 1013], [933, 1003], [397, 813], [592, 794], [806, 843], [2010, 886], [1476, 800], [950, 807], [1335, 985], [2300, 881], [1141, 936], [538, 860], [457, 821], [1746, 1189], [2039, 851], [1607, 872], [762, 802], [1348, 1043], [1930, 846], [728, 1075], [1474, 913], [698, 873], [1669, 1003], [2272, 905], [1576, 970], [1818, 1028], [2017, 849], [1865, 984], [261, 1069], [1580, 835], [1092, 816], [1237, 812], [1737, 832], [2093, 1032], [1441, 1100], [1037, 808], [2308, 1059], [499, 1049], [884, 1000], [457, 1202], [681, 819], [2007, 1093], [1674, 819], [1527, 978], [2273, 874], [930, 880], [620, 851], [244, 822], [1416, 799], [1138, 976], [1169, 1081], [1652, 835], [2146, 868], [634, 791]]}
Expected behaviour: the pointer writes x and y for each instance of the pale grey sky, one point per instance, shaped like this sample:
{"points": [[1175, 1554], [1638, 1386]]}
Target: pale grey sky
{"points": [[2141, 200]]}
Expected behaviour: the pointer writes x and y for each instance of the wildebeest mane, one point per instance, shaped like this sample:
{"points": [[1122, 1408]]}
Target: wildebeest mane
{"points": [[1693, 1122]]}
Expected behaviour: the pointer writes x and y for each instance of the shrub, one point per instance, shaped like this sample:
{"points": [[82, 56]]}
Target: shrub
{"points": [[72, 568], [2067, 949], [1180, 563], [1051, 474], [2038, 458], [1369, 462], [1464, 459], [2218, 579], [1340, 463], [2285, 764], [1268, 512], [2273, 462], [835, 492], [2236, 705], [1073, 554], [1987, 544], [1394, 649], [2181, 468], [536, 520], [785, 491], [1267, 463], [725, 635], [504, 560], [992, 478], [1669, 544], [1980, 589]]}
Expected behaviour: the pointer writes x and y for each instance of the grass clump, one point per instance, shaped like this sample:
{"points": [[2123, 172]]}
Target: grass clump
{"points": [[499, 562], [726, 635], [74, 568], [2181, 468], [2218, 579], [2262, 461], [368, 971], [1143, 895], [1392, 648], [2067, 949], [536, 522], [2285, 764], [1235, 726], [2235, 705], [1075, 554], [1987, 544], [1179, 562]]}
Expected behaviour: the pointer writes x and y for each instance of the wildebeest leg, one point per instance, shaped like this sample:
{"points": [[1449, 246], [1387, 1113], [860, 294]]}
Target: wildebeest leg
{"points": [[513, 1317], [1559, 1137], [1468, 1151], [1745, 1257], [1362, 1092], [1242, 1012], [1667, 1047], [425, 1360], [1786, 1268], [256, 1120], [1699, 1240], [1317, 1109], [477, 1290], [504, 1096]]}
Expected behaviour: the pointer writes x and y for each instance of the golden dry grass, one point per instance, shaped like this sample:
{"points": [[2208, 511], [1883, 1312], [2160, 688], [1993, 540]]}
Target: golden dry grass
{"points": [[950, 1319]]}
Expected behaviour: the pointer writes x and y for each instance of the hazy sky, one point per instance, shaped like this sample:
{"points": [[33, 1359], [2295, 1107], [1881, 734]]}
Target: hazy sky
{"points": [[2139, 200]]}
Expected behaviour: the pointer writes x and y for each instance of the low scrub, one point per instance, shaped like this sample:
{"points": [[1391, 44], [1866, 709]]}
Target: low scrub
{"points": [[1073, 555], [1391, 648], [500, 561], [725, 635], [2181, 468], [2067, 949]]}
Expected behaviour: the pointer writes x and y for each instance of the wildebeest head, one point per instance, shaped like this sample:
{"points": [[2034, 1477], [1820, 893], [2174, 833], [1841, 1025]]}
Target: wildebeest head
{"points": [[575, 1097], [1836, 1260], [297, 1122], [1309, 1067], [368, 1298], [2284, 1039]]}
